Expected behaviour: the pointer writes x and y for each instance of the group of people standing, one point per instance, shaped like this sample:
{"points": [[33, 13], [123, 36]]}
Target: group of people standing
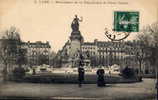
{"points": [[81, 73], [100, 77]]}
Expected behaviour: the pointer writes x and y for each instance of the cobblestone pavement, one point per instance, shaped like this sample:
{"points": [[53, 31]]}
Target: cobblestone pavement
{"points": [[139, 91]]}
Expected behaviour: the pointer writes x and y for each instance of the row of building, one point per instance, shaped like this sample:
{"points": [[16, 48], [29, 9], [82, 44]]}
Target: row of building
{"points": [[37, 52], [34, 53]]}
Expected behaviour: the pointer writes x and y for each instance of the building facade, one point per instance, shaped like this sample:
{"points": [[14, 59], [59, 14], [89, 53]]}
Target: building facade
{"points": [[37, 53], [107, 53]]}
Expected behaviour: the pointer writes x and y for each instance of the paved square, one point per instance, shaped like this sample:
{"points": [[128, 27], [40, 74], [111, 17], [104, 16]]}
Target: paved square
{"points": [[143, 90]]}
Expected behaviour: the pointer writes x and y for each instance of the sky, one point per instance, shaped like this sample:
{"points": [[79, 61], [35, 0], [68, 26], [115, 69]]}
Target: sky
{"points": [[39, 21]]}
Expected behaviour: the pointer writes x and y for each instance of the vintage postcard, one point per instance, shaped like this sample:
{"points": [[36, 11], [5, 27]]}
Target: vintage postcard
{"points": [[79, 49]]}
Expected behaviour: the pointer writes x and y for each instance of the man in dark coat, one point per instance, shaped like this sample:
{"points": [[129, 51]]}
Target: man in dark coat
{"points": [[100, 75], [80, 76], [34, 71]]}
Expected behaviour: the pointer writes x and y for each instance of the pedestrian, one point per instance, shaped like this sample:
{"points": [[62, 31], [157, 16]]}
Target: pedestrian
{"points": [[156, 85], [80, 76], [34, 71], [100, 77]]}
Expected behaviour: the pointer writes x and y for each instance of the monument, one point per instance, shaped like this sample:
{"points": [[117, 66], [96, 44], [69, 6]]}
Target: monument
{"points": [[76, 38]]}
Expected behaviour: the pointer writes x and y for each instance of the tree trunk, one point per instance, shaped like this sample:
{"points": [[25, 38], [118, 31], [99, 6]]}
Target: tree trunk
{"points": [[156, 84], [5, 73], [140, 67]]}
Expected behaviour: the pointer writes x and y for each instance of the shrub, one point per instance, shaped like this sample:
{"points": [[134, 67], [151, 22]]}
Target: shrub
{"points": [[128, 73], [19, 73]]}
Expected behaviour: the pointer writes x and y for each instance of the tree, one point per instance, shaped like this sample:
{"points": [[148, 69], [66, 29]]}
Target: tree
{"points": [[94, 61], [9, 45], [21, 59], [52, 58], [43, 59], [128, 73], [149, 37], [140, 56]]}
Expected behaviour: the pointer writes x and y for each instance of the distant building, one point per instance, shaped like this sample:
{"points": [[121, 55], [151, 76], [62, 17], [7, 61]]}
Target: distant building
{"points": [[107, 53], [37, 52]]}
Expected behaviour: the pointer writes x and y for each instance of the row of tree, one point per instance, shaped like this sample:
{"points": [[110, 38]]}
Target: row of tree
{"points": [[148, 38]]}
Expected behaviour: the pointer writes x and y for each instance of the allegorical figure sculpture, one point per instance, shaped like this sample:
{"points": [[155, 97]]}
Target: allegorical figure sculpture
{"points": [[75, 23]]}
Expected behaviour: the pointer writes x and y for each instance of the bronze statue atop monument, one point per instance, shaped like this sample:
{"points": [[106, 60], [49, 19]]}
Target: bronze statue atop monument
{"points": [[75, 23]]}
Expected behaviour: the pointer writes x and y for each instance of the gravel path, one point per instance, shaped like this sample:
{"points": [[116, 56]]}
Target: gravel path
{"points": [[133, 91]]}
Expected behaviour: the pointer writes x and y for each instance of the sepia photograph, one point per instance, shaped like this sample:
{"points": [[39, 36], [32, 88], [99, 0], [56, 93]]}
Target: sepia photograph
{"points": [[78, 50]]}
